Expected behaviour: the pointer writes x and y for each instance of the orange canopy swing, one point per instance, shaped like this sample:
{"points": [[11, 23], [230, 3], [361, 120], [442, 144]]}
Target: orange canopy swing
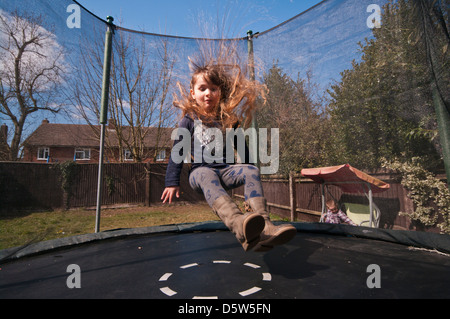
{"points": [[350, 180]]}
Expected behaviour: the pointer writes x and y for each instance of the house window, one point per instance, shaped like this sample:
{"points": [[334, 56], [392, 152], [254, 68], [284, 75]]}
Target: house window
{"points": [[127, 155], [82, 154], [161, 156], [43, 153]]}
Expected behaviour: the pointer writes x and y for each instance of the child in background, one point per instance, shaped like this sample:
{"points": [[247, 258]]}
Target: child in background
{"points": [[335, 216], [221, 97]]}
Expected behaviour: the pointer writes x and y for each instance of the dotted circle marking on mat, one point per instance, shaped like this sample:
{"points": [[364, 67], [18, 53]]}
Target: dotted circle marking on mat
{"points": [[244, 293]]}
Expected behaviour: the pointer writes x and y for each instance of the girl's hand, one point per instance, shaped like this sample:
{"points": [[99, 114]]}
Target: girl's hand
{"points": [[169, 192]]}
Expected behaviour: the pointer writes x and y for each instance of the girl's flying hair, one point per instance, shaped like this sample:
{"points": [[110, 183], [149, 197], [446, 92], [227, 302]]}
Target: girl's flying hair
{"points": [[238, 98]]}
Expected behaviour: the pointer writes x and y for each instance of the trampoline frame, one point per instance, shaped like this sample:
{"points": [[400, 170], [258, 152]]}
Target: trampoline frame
{"points": [[425, 240]]}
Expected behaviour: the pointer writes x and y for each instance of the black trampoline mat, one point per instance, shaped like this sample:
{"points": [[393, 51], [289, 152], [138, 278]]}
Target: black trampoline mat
{"points": [[213, 265]]}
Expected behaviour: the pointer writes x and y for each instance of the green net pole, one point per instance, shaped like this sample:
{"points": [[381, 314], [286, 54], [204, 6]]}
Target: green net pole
{"points": [[436, 72], [443, 120], [104, 115], [253, 143]]}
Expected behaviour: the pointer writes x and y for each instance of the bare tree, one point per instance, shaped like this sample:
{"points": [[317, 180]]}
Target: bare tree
{"points": [[31, 68], [140, 85], [141, 80]]}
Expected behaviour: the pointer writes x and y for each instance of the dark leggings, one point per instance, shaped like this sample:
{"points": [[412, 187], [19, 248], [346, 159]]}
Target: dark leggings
{"points": [[214, 183]]}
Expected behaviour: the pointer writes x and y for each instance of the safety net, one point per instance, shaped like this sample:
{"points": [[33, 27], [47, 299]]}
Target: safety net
{"points": [[349, 81], [364, 82]]}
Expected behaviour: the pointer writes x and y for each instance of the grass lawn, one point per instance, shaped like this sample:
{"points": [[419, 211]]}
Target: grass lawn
{"points": [[21, 228]]}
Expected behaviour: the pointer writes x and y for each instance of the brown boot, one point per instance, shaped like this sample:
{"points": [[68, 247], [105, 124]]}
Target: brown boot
{"points": [[271, 235], [247, 227]]}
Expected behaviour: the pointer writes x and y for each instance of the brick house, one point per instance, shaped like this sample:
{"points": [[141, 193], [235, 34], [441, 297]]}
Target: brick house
{"points": [[81, 143]]}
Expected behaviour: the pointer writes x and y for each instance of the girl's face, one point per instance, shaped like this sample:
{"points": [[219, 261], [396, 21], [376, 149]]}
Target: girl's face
{"points": [[207, 95], [333, 209]]}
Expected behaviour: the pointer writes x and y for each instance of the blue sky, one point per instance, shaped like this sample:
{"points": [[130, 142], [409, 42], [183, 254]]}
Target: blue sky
{"points": [[184, 17]]}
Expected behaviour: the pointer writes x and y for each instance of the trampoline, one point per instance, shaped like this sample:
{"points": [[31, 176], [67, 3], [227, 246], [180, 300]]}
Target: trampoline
{"points": [[204, 261]]}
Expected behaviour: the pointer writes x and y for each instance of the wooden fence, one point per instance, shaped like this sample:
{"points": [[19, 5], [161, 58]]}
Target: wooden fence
{"points": [[39, 186]]}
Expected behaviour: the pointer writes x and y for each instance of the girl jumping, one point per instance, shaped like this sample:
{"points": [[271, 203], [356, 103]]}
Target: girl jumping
{"points": [[221, 97]]}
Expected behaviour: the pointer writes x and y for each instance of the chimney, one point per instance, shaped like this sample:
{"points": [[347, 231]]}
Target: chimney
{"points": [[45, 121], [111, 124], [4, 132]]}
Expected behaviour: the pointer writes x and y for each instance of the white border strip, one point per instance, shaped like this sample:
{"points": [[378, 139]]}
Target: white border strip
{"points": [[169, 292], [165, 276], [267, 276], [250, 291], [189, 266]]}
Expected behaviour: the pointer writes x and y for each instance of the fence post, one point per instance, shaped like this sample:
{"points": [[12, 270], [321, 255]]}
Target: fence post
{"points": [[147, 168], [292, 195]]}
